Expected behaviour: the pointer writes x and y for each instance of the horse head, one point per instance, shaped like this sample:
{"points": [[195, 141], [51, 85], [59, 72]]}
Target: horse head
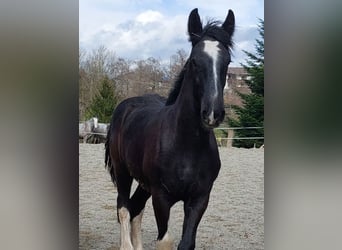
{"points": [[208, 64]]}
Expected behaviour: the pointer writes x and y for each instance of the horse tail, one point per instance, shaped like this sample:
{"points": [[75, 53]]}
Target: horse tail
{"points": [[108, 161]]}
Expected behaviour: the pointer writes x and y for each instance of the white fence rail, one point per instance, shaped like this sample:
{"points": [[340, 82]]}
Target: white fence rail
{"points": [[227, 141], [100, 128]]}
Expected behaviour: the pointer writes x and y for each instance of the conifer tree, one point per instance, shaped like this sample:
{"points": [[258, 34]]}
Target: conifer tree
{"points": [[104, 102], [251, 114]]}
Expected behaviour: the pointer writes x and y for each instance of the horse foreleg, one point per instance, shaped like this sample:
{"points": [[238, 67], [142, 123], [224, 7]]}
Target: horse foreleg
{"points": [[161, 207], [193, 212]]}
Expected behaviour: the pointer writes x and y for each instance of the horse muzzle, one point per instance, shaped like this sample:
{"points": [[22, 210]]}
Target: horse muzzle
{"points": [[212, 119]]}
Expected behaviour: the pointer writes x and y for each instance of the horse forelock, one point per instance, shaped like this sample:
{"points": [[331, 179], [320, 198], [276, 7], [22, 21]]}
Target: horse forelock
{"points": [[214, 30]]}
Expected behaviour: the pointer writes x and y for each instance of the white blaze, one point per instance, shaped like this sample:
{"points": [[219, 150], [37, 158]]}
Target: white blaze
{"points": [[211, 117], [212, 50]]}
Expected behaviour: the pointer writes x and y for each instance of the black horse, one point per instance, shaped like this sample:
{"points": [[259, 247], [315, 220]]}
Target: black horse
{"points": [[168, 145]]}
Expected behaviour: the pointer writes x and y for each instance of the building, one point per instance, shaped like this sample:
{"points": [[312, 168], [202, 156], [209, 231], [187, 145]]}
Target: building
{"points": [[235, 82]]}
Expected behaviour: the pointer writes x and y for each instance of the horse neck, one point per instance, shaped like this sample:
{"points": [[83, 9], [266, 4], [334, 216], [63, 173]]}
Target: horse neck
{"points": [[187, 109]]}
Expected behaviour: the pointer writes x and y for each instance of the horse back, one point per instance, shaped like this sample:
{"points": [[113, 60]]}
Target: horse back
{"points": [[128, 133]]}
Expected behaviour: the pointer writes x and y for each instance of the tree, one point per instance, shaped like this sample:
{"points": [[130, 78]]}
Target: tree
{"points": [[93, 67], [104, 102], [177, 62], [251, 114]]}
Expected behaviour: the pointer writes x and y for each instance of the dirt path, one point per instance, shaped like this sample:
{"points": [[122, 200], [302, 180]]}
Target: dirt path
{"points": [[233, 220]]}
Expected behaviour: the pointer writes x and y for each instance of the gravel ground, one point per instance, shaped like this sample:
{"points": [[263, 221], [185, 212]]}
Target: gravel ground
{"points": [[233, 220]]}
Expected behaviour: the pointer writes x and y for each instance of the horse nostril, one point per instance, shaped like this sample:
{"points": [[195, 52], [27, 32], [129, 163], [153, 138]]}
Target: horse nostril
{"points": [[219, 116], [222, 114], [204, 114]]}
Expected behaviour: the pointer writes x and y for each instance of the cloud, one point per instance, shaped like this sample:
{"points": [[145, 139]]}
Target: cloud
{"points": [[149, 16], [141, 29], [150, 33]]}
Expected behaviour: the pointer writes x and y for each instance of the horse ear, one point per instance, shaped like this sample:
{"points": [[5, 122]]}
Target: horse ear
{"points": [[229, 23], [194, 26]]}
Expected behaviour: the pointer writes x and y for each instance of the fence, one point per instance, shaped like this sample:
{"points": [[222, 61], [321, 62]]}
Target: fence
{"points": [[224, 141]]}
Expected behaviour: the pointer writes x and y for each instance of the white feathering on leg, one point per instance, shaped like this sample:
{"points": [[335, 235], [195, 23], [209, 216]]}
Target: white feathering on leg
{"points": [[136, 231], [166, 243], [124, 218]]}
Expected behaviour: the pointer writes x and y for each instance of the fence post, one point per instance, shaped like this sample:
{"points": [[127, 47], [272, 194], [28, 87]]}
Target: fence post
{"points": [[230, 134]]}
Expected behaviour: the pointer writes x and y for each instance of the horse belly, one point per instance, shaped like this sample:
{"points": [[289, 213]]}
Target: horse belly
{"points": [[139, 158]]}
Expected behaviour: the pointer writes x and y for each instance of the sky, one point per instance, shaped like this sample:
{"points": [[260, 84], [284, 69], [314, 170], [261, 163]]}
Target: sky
{"points": [[139, 29]]}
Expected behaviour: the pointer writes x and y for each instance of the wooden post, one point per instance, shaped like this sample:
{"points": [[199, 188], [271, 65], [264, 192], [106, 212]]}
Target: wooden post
{"points": [[230, 135]]}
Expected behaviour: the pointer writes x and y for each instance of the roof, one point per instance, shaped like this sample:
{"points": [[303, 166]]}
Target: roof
{"points": [[237, 71]]}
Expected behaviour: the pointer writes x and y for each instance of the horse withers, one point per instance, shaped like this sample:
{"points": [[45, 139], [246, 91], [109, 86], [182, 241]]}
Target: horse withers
{"points": [[168, 145]]}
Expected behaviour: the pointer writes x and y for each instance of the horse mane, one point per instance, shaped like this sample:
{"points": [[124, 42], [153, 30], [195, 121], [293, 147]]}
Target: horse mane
{"points": [[214, 30], [177, 86]]}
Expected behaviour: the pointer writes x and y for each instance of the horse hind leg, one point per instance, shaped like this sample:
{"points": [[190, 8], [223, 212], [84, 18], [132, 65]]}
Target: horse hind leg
{"points": [[125, 239], [137, 205], [124, 182], [136, 231]]}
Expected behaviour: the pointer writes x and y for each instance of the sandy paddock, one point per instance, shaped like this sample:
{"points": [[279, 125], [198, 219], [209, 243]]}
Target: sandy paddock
{"points": [[233, 220]]}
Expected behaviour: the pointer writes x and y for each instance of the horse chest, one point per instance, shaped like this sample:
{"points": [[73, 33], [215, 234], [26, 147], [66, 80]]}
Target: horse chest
{"points": [[188, 174]]}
